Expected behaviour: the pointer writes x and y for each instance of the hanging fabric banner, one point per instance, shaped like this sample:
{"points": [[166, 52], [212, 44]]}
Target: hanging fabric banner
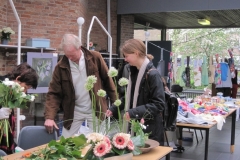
{"points": [[197, 73], [211, 70]]}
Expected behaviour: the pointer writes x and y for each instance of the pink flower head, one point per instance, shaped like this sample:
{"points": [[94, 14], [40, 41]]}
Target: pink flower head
{"points": [[107, 140], [142, 121], [90, 44], [130, 145], [120, 140], [100, 149]]}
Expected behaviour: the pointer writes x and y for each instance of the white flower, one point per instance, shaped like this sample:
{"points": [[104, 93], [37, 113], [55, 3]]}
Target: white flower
{"points": [[88, 86], [7, 30], [118, 102], [22, 89], [7, 82], [113, 72], [23, 94], [143, 126], [94, 137], [91, 79], [101, 93], [32, 98], [123, 82]]}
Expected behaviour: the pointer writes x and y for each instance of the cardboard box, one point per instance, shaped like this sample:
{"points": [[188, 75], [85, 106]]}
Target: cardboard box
{"points": [[38, 42], [187, 136]]}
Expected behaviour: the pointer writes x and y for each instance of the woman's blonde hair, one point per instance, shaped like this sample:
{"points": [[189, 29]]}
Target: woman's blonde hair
{"points": [[132, 46]]}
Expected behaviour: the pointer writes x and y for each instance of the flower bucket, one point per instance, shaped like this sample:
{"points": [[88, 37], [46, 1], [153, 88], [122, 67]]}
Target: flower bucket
{"points": [[127, 156], [4, 41]]}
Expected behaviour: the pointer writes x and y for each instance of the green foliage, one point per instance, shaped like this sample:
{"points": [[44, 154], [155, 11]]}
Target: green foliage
{"points": [[69, 148], [198, 42]]}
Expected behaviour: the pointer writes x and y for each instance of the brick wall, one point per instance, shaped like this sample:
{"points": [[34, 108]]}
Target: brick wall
{"points": [[3, 12], [127, 27]]}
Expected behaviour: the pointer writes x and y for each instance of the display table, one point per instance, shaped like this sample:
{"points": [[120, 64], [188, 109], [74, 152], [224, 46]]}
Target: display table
{"points": [[154, 154], [207, 128]]}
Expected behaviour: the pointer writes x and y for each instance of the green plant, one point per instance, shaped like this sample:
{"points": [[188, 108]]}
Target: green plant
{"points": [[6, 33], [69, 148]]}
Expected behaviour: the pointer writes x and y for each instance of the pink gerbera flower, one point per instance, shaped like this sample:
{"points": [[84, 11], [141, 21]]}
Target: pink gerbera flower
{"points": [[100, 149], [130, 145], [109, 146], [120, 140]]}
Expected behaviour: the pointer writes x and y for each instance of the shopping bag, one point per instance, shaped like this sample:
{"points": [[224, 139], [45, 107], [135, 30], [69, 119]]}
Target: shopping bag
{"points": [[84, 129]]}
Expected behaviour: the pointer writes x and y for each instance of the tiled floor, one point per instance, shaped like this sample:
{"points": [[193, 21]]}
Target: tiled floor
{"points": [[219, 145]]}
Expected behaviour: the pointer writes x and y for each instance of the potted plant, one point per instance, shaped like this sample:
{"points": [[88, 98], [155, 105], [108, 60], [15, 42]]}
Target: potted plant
{"points": [[5, 35]]}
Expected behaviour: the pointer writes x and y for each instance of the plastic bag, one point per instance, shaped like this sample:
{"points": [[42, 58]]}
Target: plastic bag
{"points": [[84, 129]]}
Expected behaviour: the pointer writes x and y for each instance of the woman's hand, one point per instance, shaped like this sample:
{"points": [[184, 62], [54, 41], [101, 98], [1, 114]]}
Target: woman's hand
{"points": [[127, 117], [109, 113]]}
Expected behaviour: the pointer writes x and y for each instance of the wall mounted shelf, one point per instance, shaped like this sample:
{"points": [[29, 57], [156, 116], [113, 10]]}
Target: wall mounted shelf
{"points": [[24, 49]]}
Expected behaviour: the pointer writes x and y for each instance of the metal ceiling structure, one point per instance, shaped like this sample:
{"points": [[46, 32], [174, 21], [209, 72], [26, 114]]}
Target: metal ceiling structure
{"points": [[188, 19]]}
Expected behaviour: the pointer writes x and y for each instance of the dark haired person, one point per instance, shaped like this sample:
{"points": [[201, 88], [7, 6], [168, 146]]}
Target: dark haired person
{"points": [[27, 78]]}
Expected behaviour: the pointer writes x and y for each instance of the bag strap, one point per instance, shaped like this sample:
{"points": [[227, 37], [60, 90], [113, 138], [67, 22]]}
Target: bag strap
{"points": [[147, 76]]}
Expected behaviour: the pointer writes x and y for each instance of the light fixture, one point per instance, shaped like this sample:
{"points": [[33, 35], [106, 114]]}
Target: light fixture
{"points": [[204, 21], [80, 22]]}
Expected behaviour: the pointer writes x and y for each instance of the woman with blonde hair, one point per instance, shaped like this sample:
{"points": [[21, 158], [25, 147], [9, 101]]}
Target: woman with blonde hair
{"points": [[145, 92]]}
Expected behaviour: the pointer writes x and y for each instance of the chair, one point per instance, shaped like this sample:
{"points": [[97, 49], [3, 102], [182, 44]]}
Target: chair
{"points": [[2, 153], [33, 136]]}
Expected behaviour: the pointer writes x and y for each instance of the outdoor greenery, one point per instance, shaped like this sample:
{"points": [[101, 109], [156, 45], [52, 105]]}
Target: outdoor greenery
{"points": [[197, 43]]}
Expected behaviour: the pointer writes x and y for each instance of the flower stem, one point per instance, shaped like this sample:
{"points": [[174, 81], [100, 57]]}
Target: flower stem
{"points": [[6, 130], [125, 107], [116, 87], [93, 110]]}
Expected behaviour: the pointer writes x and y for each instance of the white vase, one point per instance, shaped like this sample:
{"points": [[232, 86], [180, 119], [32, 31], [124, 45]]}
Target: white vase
{"points": [[127, 156]]}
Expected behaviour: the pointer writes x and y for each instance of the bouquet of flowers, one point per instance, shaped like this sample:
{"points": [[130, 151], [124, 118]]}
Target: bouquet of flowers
{"points": [[102, 146], [12, 96], [6, 33]]}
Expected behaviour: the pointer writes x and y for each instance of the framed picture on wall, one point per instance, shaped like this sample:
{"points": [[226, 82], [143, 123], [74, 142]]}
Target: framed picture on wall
{"points": [[44, 64]]}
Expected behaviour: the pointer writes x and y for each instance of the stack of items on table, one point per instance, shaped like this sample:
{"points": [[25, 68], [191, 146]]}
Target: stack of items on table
{"points": [[205, 109]]}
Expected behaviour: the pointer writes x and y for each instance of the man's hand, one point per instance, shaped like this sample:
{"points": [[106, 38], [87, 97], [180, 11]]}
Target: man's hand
{"points": [[5, 112], [49, 124]]}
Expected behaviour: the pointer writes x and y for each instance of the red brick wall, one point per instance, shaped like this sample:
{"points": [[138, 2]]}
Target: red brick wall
{"points": [[3, 12]]}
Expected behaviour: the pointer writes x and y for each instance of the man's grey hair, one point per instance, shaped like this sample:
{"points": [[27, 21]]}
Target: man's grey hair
{"points": [[70, 40]]}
